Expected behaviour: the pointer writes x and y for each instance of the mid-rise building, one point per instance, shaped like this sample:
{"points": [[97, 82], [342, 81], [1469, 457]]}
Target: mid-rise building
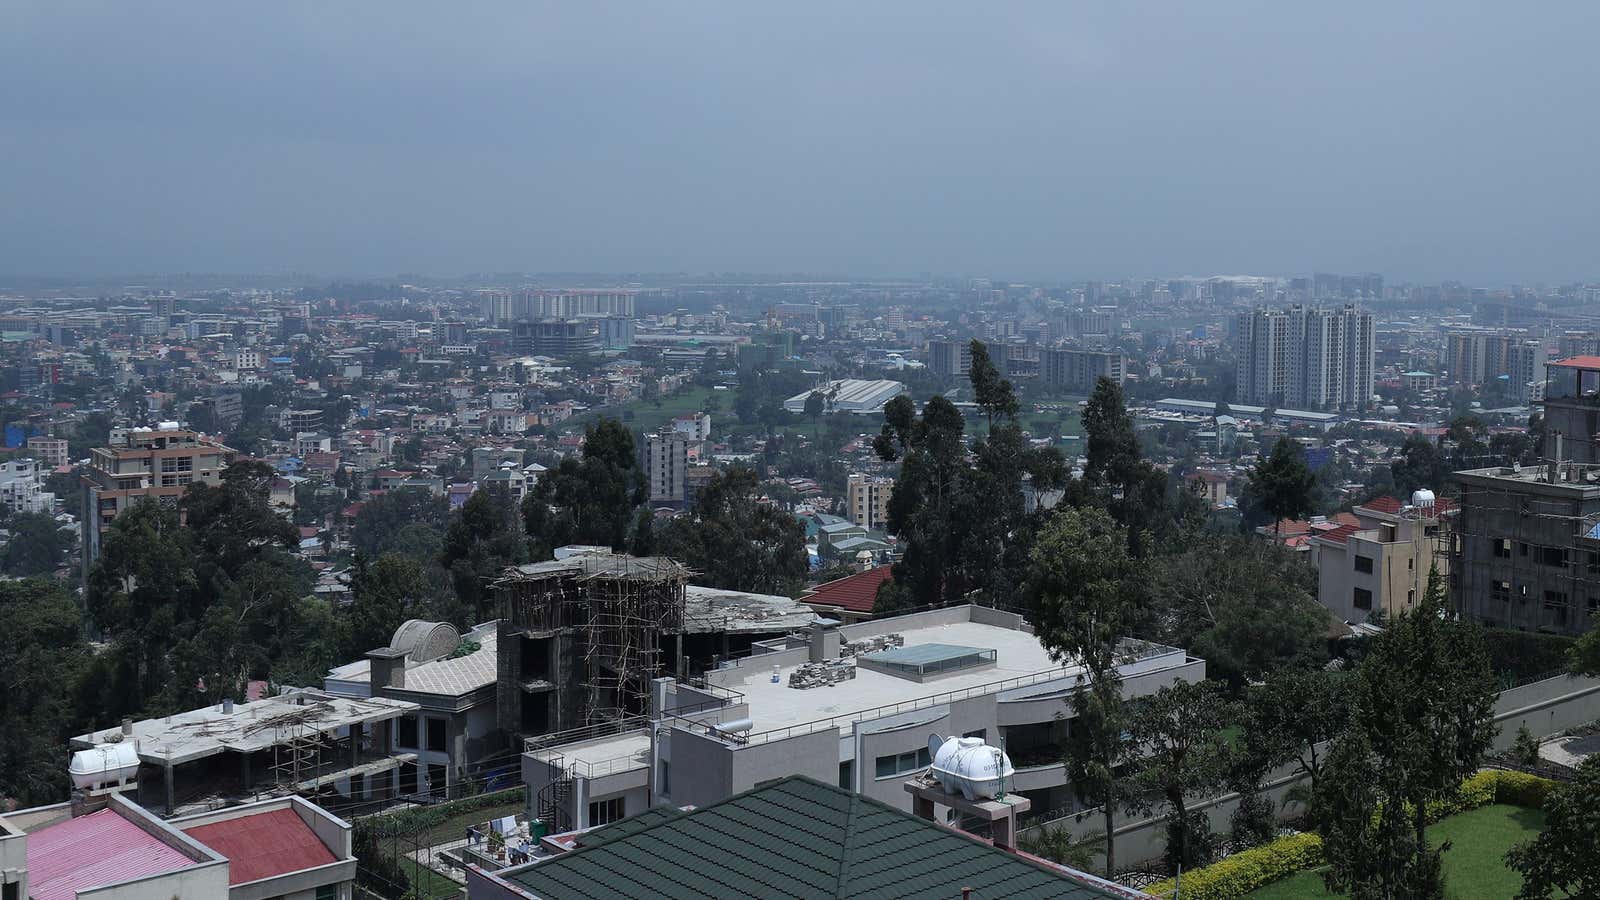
{"points": [[22, 487], [1079, 370], [51, 452], [1379, 566], [554, 337], [1525, 550], [1309, 357], [950, 359], [159, 463], [666, 460], [867, 500]]}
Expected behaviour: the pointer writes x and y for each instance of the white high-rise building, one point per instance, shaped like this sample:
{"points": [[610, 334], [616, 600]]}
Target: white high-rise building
{"points": [[1305, 357]]}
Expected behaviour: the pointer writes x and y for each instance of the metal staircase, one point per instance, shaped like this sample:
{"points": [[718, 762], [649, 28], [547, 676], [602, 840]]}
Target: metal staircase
{"points": [[553, 800]]}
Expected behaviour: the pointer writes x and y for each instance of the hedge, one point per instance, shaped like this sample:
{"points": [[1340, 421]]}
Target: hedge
{"points": [[1243, 872], [1247, 870]]}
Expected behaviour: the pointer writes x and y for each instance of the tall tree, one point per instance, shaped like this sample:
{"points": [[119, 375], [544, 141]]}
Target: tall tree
{"points": [[1422, 715], [993, 393], [589, 499], [1420, 466], [737, 541], [42, 655], [1281, 484], [1247, 606], [1088, 595], [1112, 446], [1564, 860], [1292, 714], [1179, 733], [38, 545], [485, 536]]}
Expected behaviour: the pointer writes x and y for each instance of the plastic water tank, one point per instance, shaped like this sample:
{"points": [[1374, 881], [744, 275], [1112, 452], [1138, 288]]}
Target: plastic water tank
{"points": [[1422, 499], [968, 766], [103, 764]]}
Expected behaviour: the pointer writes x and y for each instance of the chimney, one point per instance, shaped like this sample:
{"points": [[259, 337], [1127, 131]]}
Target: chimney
{"points": [[824, 642], [388, 668], [227, 706], [127, 726]]}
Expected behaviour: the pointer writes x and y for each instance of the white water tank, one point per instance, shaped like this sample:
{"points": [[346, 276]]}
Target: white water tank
{"points": [[103, 764], [968, 766], [1422, 499]]}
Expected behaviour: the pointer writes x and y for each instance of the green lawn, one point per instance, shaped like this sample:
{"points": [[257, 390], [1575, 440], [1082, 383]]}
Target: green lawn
{"points": [[1474, 867], [645, 415]]}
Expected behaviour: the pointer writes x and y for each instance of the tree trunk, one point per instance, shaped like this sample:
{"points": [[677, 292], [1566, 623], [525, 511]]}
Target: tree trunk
{"points": [[1111, 854], [1176, 799]]}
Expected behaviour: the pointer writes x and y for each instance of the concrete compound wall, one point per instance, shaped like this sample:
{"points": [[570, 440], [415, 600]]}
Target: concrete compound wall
{"points": [[1546, 707]]}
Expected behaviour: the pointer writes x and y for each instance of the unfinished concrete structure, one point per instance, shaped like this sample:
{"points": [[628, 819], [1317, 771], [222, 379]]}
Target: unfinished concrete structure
{"points": [[305, 742], [581, 637]]}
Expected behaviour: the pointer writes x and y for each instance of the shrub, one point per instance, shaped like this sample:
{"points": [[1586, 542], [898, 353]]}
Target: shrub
{"points": [[1525, 749], [1521, 789], [1252, 822], [1243, 872]]}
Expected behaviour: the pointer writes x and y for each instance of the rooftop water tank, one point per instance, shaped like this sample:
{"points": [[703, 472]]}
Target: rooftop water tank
{"points": [[968, 766], [103, 764], [1422, 499], [425, 641]]}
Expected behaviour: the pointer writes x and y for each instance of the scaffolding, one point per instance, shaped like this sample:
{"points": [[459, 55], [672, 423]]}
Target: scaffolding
{"points": [[611, 611]]}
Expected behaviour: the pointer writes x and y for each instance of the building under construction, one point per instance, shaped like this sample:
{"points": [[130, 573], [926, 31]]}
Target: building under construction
{"points": [[305, 742], [581, 637]]}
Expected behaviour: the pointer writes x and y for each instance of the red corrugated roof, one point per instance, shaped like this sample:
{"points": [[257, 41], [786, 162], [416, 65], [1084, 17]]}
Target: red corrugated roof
{"points": [[264, 845], [1339, 535], [853, 592], [1579, 362], [1389, 505], [93, 851]]}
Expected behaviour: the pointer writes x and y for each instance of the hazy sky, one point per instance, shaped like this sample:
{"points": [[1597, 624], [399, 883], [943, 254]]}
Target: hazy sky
{"points": [[1062, 139]]}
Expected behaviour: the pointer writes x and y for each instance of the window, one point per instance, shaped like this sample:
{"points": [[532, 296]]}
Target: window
{"points": [[910, 761], [1363, 598], [1555, 599], [407, 737], [328, 892], [980, 734], [436, 739], [847, 772], [1522, 548], [1502, 548], [1593, 561], [1364, 564], [1553, 556], [664, 783], [604, 812], [437, 781], [1500, 590]]}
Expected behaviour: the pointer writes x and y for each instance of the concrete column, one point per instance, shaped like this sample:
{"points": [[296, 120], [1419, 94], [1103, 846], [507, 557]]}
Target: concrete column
{"points": [[244, 769], [167, 777], [921, 806], [355, 744]]}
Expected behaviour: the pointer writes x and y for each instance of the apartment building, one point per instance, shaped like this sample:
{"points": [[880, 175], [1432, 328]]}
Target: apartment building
{"points": [[1308, 357], [1479, 356], [1380, 564], [852, 706], [1079, 370], [22, 487], [158, 463], [867, 500], [51, 452], [950, 359], [666, 460]]}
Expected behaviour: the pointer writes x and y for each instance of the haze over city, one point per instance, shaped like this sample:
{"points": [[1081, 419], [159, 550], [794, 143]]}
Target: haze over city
{"points": [[1033, 141]]}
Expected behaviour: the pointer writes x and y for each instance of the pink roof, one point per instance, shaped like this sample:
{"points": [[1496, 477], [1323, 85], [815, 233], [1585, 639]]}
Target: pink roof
{"points": [[93, 851], [264, 845]]}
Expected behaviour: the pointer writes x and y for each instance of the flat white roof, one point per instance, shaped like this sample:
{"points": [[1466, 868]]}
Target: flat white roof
{"points": [[1018, 654]]}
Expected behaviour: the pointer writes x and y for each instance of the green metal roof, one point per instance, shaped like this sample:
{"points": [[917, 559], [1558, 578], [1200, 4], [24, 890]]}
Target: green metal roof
{"points": [[799, 838]]}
